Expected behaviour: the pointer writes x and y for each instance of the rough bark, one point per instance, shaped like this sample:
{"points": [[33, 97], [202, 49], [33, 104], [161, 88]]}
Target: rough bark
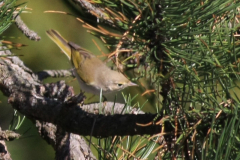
{"points": [[4, 154]]}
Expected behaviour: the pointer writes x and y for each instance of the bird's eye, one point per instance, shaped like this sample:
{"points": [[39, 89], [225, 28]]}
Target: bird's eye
{"points": [[119, 85]]}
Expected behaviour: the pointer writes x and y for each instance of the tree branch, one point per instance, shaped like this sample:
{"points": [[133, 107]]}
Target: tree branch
{"points": [[8, 135], [4, 154], [98, 12], [24, 28], [54, 73], [71, 146]]}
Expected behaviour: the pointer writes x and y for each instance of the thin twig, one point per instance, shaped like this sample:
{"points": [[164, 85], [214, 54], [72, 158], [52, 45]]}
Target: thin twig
{"points": [[54, 73], [24, 28]]}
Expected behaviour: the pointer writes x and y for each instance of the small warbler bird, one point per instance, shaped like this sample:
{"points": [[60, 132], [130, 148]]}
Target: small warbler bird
{"points": [[92, 74]]}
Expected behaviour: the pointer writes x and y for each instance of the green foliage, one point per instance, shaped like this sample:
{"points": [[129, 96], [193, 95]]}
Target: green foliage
{"points": [[189, 49], [7, 9], [16, 121], [203, 52]]}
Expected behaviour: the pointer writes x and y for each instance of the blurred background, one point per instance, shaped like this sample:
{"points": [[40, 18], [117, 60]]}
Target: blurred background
{"points": [[45, 55]]}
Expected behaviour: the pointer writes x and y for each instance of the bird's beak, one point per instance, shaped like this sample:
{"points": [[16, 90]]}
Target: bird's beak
{"points": [[132, 84]]}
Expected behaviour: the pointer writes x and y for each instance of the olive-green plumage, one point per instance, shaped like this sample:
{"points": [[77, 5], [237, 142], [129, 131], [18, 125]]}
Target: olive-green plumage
{"points": [[92, 74]]}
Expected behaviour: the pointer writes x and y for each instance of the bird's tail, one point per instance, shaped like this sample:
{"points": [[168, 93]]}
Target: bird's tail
{"points": [[60, 41]]}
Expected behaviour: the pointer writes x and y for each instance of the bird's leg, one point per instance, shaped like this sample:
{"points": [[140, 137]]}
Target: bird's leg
{"points": [[104, 99]]}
